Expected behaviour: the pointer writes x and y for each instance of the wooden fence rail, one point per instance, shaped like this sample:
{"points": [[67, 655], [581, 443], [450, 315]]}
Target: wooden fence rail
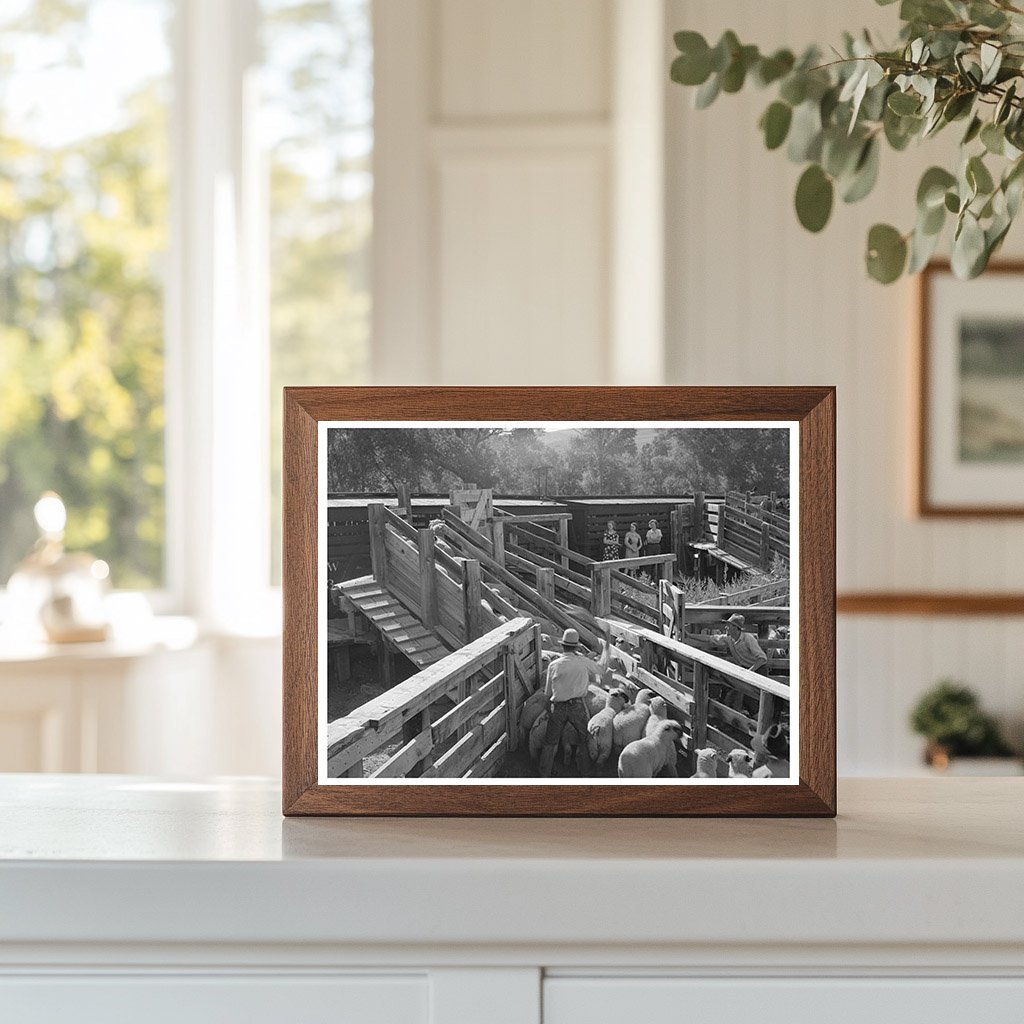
{"points": [[487, 681], [683, 675]]}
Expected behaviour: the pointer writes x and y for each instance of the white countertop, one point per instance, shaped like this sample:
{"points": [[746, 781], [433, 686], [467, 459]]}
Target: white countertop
{"points": [[120, 859]]}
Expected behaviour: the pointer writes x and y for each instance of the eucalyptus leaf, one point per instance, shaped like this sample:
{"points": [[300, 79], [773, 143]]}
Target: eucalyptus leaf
{"points": [[814, 195], [775, 124], [691, 68], [993, 138], [707, 93], [805, 133], [904, 103], [968, 247], [1005, 104], [771, 69], [987, 15], [922, 247], [724, 51], [991, 60], [978, 176], [886, 253], [973, 130], [794, 88], [931, 190], [865, 173]]}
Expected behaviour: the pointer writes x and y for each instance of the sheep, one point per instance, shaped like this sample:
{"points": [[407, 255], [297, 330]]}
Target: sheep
{"points": [[600, 729], [537, 731], [596, 699], [533, 707], [739, 763], [629, 723], [659, 712], [645, 758], [570, 739], [759, 763], [707, 764]]}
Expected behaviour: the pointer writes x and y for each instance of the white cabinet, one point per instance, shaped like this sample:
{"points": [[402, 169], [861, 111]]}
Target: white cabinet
{"points": [[828, 1000], [127, 899], [241, 999]]}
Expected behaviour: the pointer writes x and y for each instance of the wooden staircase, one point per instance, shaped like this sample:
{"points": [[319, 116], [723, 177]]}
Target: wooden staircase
{"points": [[397, 624]]}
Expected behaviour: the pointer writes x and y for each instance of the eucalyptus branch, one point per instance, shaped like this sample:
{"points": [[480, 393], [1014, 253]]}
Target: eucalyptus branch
{"points": [[955, 61]]}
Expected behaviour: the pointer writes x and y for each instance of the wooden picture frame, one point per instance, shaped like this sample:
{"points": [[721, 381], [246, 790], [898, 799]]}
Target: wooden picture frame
{"points": [[810, 409], [929, 378]]}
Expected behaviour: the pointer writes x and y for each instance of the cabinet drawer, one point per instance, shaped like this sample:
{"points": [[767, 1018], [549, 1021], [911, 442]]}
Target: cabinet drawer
{"points": [[202, 999], [569, 1000]]}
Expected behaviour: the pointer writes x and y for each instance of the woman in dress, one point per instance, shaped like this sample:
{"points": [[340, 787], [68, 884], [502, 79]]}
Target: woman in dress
{"points": [[611, 541], [634, 542], [653, 538]]}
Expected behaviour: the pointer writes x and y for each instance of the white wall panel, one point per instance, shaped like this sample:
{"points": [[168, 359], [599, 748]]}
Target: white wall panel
{"points": [[522, 281], [530, 58], [754, 299]]}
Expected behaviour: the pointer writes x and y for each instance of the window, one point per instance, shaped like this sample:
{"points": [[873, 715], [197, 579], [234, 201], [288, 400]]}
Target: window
{"points": [[317, 117], [83, 236], [185, 221]]}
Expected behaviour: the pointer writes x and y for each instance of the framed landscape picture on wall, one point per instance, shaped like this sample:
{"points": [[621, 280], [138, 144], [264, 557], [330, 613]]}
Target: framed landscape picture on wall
{"points": [[559, 601], [970, 445]]}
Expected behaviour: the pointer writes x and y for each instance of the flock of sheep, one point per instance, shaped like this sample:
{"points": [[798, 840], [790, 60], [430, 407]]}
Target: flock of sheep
{"points": [[634, 724]]}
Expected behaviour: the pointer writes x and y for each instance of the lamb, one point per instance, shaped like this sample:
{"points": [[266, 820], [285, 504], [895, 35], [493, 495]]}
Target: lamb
{"points": [[707, 764], [629, 723], [659, 712], [600, 729], [740, 763], [645, 758]]}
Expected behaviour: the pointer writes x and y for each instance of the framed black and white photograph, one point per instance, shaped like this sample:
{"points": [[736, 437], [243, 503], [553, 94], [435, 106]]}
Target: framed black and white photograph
{"points": [[970, 448], [542, 613]]}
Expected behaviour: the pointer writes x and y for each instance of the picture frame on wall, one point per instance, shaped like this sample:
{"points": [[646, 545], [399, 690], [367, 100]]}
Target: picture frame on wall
{"points": [[970, 384], [559, 601]]}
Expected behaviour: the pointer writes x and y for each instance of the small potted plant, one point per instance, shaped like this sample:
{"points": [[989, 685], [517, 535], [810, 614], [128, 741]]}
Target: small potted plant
{"points": [[950, 718]]}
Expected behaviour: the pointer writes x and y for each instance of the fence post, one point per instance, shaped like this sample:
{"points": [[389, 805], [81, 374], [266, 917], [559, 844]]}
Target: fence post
{"points": [[471, 594], [498, 541], [404, 502], [428, 578], [563, 540], [699, 714], [538, 661], [664, 597], [511, 706], [546, 583], [601, 590], [765, 709], [378, 557], [766, 556], [698, 515]]}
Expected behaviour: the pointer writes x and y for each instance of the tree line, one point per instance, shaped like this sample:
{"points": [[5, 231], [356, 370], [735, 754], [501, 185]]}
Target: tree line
{"points": [[590, 461]]}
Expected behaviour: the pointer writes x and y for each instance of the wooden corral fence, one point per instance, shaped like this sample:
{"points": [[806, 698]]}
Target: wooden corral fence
{"points": [[775, 592], [701, 688], [533, 547], [738, 534], [456, 719], [348, 534], [444, 592]]}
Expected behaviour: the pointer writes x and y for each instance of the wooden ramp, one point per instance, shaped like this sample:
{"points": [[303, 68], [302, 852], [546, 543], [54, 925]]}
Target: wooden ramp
{"points": [[398, 625]]}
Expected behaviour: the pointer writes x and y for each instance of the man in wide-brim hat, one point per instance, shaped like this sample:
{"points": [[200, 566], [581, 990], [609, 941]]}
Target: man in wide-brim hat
{"points": [[742, 646], [566, 684]]}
